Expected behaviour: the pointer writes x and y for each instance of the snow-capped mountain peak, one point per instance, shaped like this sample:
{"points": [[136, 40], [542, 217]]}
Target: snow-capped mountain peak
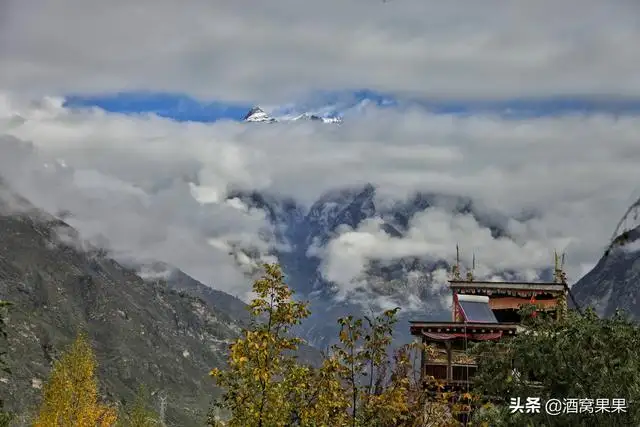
{"points": [[257, 114], [308, 116]]}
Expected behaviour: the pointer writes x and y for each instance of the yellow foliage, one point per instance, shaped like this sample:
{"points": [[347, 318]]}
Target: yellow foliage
{"points": [[358, 384], [71, 393], [262, 382]]}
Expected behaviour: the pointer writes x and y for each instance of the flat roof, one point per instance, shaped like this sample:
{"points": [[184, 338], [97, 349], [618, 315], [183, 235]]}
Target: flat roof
{"points": [[521, 286]]}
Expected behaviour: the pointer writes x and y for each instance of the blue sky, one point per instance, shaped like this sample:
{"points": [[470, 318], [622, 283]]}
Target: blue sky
{"points": [[174, 106], [184, 108]]}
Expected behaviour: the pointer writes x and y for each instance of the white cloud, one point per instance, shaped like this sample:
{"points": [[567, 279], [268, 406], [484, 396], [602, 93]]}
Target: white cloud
{"points": [[433, 235], [129, 178], [269, 51], [632, 247], [144, 212]]}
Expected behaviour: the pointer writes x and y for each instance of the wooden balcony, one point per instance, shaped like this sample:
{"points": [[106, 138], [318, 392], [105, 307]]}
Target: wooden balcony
{"points": [[455, 374]]}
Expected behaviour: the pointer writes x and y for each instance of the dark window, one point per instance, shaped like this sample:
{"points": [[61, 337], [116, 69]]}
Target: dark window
{"points": [[507, 316]]}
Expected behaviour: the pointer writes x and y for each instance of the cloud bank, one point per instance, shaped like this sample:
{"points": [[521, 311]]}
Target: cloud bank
{"points": [[273, 51], [156, 188]]}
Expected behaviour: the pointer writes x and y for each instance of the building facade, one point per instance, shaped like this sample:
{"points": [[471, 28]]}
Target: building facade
{"points": [[481, 311]]}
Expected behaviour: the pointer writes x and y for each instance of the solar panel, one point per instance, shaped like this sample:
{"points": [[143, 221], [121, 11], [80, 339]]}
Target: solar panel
{"points": [[476, 310]]}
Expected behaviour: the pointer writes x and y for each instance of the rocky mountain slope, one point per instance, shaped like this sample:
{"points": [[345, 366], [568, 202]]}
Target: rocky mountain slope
{"points": [[304, 229], [143, 333], [229, 305], [611, 284], [614, 282]]}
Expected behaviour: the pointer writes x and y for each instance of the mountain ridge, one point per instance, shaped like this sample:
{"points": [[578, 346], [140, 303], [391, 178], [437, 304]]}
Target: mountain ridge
{"points": [[142, 333], [165, 330], [407, 282], [258, 115], [614, 282]]}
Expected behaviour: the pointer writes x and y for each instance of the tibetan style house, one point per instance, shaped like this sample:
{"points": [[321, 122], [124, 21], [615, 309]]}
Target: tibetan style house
{"points": [[481, 311]]}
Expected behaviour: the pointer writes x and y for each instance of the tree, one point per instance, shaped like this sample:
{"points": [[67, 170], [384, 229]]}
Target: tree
{"points": [[576, 357], [360, 383], [316, 396], [5, 417], [260, 376], [140, 414], [383, 386], [377, 397], [71, 392], [352, 361]]}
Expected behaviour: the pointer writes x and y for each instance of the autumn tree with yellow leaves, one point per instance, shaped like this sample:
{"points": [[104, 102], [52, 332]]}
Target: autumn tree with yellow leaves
{"points": [[384, 385], [360, 383], [71, 392], [262, 373], [377, 395]]}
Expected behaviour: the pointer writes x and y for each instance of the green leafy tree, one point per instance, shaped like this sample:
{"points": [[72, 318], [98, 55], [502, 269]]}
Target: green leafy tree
{"points": [[576, 357], [5, 417], [140, 413]]}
